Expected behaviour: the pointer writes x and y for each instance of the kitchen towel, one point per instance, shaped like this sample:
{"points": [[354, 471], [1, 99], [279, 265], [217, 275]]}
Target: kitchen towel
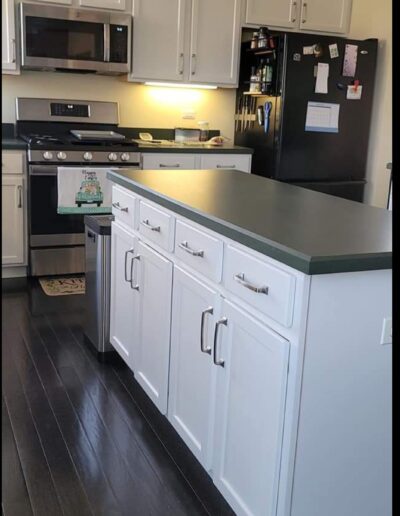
{"points": [[83, 190]]}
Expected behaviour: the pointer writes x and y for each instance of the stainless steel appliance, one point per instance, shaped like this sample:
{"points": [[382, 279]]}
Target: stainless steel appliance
{"points": [[56, 242], [97, 294], [62, 38]]}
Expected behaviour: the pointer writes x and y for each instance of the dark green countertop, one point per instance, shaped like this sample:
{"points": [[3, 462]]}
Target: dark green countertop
{"points": [[209, 149], [312, 232], [13, 144]]}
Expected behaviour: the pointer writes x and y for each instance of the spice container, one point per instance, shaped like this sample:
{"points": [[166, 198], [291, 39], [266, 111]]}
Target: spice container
{"points": [[262, 38], [255, 81], [254, 40], [203, 125]]}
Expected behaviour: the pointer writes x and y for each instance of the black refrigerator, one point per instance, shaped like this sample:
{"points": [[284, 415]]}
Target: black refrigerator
{"points": [[288, 149]]}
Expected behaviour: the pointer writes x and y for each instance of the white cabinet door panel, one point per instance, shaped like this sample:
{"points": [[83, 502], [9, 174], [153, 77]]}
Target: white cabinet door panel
{"points": [[326, 15], [104, 4], [215, 40], [123, 302], [250, 402], [151, 349], [8, 43], [12, 225], [167, 160], [158, 39], [192, 373], [278, 13], [236, 161]]}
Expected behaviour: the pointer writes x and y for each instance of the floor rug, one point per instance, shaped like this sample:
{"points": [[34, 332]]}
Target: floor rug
{"points": [[63, 286]]}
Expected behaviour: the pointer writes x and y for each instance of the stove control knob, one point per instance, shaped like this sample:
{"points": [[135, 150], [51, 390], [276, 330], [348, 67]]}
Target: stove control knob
{"points": [[112, 156], [47, 155], [125, 156], [61, 155], [87, 156]]}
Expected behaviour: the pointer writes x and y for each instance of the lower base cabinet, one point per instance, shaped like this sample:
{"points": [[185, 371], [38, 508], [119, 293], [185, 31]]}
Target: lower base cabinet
{"points": [[13, 240], [153, 284], [249, 411]]}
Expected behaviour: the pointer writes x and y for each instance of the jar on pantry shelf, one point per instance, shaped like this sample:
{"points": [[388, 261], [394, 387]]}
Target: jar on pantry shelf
{"points": [[254, 40], [262, 38]]}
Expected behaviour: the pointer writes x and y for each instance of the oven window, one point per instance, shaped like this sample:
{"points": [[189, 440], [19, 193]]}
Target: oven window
{"points": [[44, 219], [64, 39]]}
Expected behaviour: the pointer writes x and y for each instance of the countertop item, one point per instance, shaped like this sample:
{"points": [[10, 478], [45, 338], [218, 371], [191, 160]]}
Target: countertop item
{"points": [[312, 232]]}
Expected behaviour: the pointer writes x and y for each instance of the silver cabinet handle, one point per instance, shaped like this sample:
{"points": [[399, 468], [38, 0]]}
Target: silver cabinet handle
{"points": [[240, 279], [194, 57], [134, 287], [164, 165], [226, 166], [126, 260], [223, 321], [147, 224], [19, 196], [304, 13], [119, 207], [181, 63], [185, 246], [207, 349], [14, 56], [294, 11]]}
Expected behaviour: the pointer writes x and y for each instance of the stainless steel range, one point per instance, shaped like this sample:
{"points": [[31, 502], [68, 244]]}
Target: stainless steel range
{"points": [[65, 133]]}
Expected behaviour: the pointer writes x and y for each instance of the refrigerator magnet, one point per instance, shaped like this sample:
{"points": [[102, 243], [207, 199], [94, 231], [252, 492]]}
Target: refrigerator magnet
{"points": [[354, 91], [333, 51], [296, 57]]}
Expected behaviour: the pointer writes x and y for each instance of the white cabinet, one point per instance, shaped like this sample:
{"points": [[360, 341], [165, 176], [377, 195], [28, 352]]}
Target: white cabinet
{"points": [[250, 403], [215, 41], [186, 41], [169, 160], [153, 280], [237, 161], [8, 43], [325, 16], [104, 4], [123, 302], [13, 201], [192, 373], [61, 2], [309, 15], [278, 13]]}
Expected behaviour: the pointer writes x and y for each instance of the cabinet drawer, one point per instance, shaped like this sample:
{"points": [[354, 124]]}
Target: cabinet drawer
{"points": [[199, 250], [124, 206], [167, 160], [156, 225], [12, 162], [237, 161], [262, 285]]}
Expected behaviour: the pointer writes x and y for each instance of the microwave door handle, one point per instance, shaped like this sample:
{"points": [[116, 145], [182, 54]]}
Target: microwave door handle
{"points": [[106, 43]]}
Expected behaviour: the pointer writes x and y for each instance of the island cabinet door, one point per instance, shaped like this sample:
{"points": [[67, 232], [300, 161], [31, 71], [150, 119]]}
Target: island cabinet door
{"points": [[123, 299], [153, 278], [192, 374], [249, 411]]}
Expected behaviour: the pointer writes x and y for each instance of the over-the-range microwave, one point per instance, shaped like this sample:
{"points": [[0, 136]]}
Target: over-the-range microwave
{"points": [[61, 38]]}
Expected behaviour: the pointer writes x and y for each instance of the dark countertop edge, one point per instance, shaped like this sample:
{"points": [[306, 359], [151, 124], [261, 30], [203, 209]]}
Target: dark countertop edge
{"points": [[13, 144], [197, 150], [290, 257]]}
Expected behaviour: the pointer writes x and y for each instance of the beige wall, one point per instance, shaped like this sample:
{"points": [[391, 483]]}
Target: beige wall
{"points": [[140, 106], [372, 19]]}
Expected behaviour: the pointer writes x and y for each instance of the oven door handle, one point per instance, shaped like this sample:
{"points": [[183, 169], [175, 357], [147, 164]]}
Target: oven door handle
{"points": [[42, 170]]}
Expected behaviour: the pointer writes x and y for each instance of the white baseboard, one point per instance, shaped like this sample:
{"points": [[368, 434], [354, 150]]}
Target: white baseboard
{"points": [[13, 272]]}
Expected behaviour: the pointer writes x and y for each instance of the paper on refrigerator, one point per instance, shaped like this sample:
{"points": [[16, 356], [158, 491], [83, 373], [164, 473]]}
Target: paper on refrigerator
{"points": [[321, 84], [322, 117]]}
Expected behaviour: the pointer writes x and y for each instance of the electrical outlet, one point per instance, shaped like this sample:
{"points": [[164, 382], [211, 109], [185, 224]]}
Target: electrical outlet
{"points": [[188, 115], [386, 336]]}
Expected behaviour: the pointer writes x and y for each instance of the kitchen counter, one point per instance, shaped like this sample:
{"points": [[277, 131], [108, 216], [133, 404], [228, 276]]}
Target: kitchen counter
{"points": [[312, 232], [195, 149], [13, 144]]}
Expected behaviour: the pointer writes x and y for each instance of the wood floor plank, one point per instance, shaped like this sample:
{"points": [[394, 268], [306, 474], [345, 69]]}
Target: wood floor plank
{"points": [[15, 497]]}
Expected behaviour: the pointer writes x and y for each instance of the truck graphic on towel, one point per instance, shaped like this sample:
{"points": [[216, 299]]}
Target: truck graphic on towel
{"points": [[90, 190]]}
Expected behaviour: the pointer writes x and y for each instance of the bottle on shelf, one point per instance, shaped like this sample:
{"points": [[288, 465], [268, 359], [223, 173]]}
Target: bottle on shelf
{"points": [[255, 82], [254, 40], [262, 38]]}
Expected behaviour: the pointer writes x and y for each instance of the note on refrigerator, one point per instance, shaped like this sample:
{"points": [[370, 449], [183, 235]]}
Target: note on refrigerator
{"points": [[322, 117], [350, 60], [321, 84], [354, 92]]}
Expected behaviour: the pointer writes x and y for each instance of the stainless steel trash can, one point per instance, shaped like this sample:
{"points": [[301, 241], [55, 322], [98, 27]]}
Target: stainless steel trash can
{"points": [[97, 295]]}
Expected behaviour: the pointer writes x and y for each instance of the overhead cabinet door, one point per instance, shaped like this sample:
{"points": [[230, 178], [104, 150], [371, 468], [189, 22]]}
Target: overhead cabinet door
{"points": [[278, 13], [249, 411], [325, 15], [215, 36], [8, 49], [158, 39]]}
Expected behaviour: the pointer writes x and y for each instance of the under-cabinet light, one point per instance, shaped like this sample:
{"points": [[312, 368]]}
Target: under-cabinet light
{"points": [[180, 85]]}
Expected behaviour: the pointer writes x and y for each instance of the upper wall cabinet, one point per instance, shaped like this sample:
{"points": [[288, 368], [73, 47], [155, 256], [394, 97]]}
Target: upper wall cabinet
{"points": [[104, 4], [61, 2], [8, 43], [186, 41], [309, 15]]}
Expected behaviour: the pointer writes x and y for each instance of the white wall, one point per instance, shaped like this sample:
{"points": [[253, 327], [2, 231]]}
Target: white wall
{"points": [[140, 106], [374, 19]]}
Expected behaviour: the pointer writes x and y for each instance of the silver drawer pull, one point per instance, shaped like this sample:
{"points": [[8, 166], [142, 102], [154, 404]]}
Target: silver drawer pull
{"points": [[163, 165], [185, 246], [147, 224], [207, 349], [226, 166], [126, 260], [240, 279], [223, 321], [119, 207], [134, 287]]}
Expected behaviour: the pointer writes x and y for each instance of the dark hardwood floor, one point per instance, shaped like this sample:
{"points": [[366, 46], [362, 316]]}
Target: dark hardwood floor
{"points": [[80, 437]]}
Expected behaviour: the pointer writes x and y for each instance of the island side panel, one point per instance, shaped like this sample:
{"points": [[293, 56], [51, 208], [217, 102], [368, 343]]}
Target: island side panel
{"points": [[343, 456]]}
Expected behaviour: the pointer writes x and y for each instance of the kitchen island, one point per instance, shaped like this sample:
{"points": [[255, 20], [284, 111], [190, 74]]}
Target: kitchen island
{"points": [[257, 317]]}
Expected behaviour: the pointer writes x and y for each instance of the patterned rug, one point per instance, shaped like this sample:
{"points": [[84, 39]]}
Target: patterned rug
{"points": [[63, 286]]}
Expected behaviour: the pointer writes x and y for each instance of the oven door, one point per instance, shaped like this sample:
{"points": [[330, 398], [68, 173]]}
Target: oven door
{"points": [[64, 38]]}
